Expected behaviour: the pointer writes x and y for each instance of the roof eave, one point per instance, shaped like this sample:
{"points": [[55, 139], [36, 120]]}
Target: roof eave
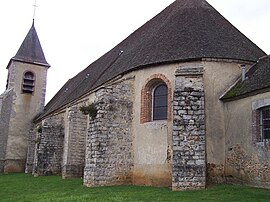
{"points": [[25, 61], [197, 59], [245, 95]]}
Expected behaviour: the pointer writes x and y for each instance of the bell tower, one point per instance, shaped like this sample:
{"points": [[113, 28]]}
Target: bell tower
{"points": [[23, 99]]}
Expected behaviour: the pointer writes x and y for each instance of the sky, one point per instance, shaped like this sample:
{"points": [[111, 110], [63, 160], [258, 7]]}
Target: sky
{"points": [[74, 33]]}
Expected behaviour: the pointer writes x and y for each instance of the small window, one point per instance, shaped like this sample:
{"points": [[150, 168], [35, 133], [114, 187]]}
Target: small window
{"points": [[28, 83], [160, 102], [156, 99], [265, 122]]}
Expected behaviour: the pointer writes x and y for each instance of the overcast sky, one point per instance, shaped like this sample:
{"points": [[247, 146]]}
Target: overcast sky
{"points": [[74, 33]]}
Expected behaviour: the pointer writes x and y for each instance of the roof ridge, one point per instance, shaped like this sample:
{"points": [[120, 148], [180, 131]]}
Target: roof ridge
{"points": [[193, 3]]}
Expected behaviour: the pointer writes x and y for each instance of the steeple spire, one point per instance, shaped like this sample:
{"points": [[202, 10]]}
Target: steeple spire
{"points": [[31, 50]]}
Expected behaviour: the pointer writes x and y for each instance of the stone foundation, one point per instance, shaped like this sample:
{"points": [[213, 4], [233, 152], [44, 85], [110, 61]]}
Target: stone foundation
{"points": [[72, 171], [14, 166], [215, 173], [2, 164], [244, 168], [152, 175]]}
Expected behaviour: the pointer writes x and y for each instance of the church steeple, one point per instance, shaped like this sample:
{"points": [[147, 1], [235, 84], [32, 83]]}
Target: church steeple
{"points": [[23, 99], [30, 50]]}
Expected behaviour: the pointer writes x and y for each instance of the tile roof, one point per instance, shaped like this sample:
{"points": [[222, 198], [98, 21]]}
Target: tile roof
{"points": [[257, 81], [186, 30], [30, 50]]}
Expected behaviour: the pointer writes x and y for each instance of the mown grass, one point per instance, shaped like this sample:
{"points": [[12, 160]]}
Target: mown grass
{"points": [[23, 187]]}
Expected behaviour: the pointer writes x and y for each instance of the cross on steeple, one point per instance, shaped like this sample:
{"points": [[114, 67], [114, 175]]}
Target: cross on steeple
{"points": [[35, 6]]}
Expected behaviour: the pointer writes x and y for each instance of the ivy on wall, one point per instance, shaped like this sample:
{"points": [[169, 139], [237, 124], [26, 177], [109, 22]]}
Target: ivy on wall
{"points": [[90, 110]]}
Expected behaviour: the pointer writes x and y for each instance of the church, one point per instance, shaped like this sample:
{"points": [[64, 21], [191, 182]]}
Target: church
{"points": [[182, 102]]}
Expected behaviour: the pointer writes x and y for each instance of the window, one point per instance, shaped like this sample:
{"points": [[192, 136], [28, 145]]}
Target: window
{"points": [[160, 102], [261, 121], [265, 123], [156, 99], [28, 83]]}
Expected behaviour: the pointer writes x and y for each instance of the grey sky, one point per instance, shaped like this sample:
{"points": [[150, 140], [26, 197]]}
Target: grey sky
{"points": [[75, 33]]}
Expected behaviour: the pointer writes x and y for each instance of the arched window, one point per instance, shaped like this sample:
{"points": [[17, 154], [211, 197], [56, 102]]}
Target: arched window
{"points": [[28, 82], [160, 102], [156, 96]]}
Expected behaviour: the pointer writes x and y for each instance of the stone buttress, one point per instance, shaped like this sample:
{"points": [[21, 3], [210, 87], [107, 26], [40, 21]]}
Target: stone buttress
{"points": [[109, 154], [49, 146], [189, 157], [74, 143]]}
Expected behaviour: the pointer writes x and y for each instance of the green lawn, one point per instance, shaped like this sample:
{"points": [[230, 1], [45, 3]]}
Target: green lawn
{"points": [[23, 187]]}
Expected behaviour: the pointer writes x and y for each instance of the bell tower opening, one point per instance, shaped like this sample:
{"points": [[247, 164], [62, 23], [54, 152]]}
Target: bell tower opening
{"points": [[28, 82]]}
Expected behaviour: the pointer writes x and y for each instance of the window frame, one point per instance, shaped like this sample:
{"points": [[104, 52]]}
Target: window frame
{"points": [[146, 97], [257, 127], [153, 107], [262, 125]]}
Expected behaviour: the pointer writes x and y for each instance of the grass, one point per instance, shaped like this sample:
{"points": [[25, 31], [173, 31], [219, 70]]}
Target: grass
{"points": [[23, 187]]}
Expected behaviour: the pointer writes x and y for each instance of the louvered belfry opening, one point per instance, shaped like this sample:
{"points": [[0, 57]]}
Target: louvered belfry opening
{"points": [[28, 83]]}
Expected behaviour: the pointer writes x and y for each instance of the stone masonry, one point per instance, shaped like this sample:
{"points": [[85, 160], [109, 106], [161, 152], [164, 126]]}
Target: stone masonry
{"points": [[49, 146], [74, 146], [109, 156], [32, 140], [189, 161], [5, 113], [248, 169]]}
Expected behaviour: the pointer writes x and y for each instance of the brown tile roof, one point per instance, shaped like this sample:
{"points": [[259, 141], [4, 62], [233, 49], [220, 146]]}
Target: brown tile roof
{"points": [[30, 50], [257, 81], [186, 30]]}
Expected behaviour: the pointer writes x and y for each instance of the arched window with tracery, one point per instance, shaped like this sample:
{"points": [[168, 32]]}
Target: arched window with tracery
{"points": [[28, 82], [156, 99]]}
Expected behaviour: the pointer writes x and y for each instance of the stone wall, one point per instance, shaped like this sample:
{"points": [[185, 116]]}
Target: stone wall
{"points": [[243, 168], [189, 166], [74, 147], [109, 154], [218, 76], [247, 155], [152, 138], [33, 139], [5, 113], [49, 148]]}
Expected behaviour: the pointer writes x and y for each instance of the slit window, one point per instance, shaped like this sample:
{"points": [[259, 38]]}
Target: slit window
{"points": [[28, 83], [7, 82]]}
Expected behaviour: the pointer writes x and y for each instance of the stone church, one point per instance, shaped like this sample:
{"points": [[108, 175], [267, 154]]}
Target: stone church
{"points": [[181, 102]]}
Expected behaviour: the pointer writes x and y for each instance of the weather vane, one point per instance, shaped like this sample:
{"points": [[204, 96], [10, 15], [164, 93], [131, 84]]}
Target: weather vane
{"points": [[35, 6]]}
